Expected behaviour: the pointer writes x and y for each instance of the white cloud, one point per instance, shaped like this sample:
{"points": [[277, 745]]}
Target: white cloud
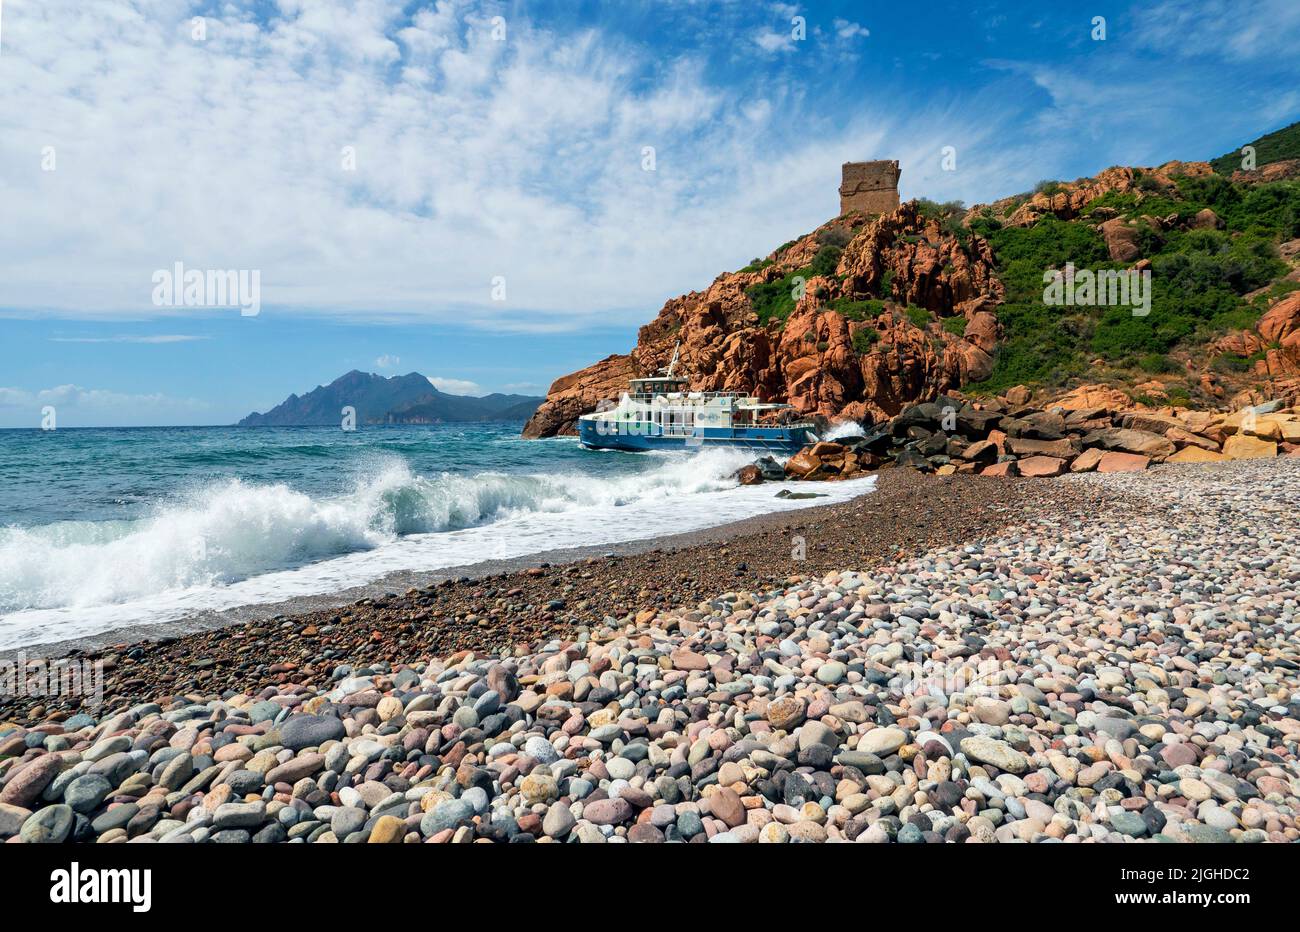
{"points": [[74, 396], [847, 29], [781, 41], [1265, 30], [474, 158], [456, 386], [388, 361]]}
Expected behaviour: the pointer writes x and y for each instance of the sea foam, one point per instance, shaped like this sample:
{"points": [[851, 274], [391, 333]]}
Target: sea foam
{"points": [[231, 543]]}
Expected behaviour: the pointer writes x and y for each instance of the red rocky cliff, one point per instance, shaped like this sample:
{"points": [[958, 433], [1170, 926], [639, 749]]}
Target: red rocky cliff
{"points": [[850, 347]]}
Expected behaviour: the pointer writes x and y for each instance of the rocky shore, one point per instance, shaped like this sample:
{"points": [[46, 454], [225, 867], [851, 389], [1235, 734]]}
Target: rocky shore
{"points": [[1111, 657], [1089, 430]]}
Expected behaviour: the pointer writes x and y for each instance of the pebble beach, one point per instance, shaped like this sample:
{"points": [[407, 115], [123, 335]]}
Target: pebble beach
{"points": [[1103, 658]]}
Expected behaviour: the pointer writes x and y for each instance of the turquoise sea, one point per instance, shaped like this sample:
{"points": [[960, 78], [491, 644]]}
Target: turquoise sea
{"points": [[101, 528]]}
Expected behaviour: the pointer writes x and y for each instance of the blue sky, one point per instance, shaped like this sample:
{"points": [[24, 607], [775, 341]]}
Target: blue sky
{"points": [[419, 191]]}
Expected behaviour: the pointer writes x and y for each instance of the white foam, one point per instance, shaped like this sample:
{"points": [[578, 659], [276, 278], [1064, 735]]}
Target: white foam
{"points": [[234, 544], [845, 429]]}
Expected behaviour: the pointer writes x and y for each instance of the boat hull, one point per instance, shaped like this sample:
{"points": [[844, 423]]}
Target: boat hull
{"points": [[778, 441]]}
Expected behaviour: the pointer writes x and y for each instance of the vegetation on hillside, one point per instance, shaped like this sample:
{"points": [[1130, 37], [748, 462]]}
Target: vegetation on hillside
{"points": [[775, 300], [1273, 147], [1205, 282], [1199, 279]]}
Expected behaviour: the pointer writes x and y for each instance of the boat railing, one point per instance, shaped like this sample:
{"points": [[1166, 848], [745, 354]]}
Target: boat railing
{"points": [[692, 396]]}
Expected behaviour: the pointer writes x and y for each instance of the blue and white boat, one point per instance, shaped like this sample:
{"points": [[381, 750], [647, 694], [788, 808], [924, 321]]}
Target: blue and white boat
{"points": [[658, 413]]}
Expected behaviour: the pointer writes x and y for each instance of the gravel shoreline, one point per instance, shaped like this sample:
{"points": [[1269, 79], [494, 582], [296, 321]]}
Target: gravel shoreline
{"points": [[391, 584], [494, 604], [1093, 658]]}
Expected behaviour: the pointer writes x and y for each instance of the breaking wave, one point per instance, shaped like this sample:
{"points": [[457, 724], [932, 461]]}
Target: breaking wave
{"points": [[232, 530]]}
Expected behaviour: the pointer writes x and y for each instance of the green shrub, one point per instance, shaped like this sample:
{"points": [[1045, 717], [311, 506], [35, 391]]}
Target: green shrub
{"points": [[1178, 396], [1232, 363], [1147, 183], [773, 300], [825, 262], [1198, 279], [834, 236], [1040, 343], [864, 339], [1157, 364], [919, 316], [1275, 291], [956, 325], [857, 310]]}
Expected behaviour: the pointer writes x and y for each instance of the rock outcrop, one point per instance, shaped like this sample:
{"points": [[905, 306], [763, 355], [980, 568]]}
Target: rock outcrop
{"points": [[1007, 437], [1271, 349], [578, 392], [1066, 200], [853, 345], [869, 315]]}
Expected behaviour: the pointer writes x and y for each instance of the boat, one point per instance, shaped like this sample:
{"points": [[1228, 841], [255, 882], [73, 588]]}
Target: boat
{"points": [[659, 413]]}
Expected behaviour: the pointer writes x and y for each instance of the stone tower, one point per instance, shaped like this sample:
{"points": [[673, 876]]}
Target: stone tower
{"points": [[869, 187]]}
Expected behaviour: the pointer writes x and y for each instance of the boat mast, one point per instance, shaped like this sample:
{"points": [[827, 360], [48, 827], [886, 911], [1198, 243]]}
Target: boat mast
{"points": [[673, 362]]}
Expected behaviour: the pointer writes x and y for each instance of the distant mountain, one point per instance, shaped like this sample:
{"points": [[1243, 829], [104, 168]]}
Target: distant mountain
{"points": [[401, 399]]}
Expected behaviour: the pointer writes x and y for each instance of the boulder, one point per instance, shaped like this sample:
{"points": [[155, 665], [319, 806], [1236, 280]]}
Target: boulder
{"points": [[1114, 461], [1121, 240], [983, 452], [1101, 400], [803, 465], [823, 449], [1044, 425], [1262, 427], [770, 469], [1087, 460], [1001, 469], [1185, 438], [1128, 440], [1061, 449], [974, 423], [1246, 447], [1150, 422], [1018, 395], [1196, 455], [1206, 219], [1040, 466], [1281, 320]]}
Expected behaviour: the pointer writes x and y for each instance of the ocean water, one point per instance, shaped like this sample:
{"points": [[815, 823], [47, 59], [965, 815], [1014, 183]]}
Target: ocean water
{"points": [[101, 528]]}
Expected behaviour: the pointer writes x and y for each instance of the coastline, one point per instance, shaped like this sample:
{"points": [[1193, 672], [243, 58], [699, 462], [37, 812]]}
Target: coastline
{"points": [[395, 583], [1098, 658], [903, 514]]}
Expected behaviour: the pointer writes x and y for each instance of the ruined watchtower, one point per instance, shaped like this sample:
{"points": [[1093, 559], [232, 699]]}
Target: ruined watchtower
{"points": [[870, 187]]}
